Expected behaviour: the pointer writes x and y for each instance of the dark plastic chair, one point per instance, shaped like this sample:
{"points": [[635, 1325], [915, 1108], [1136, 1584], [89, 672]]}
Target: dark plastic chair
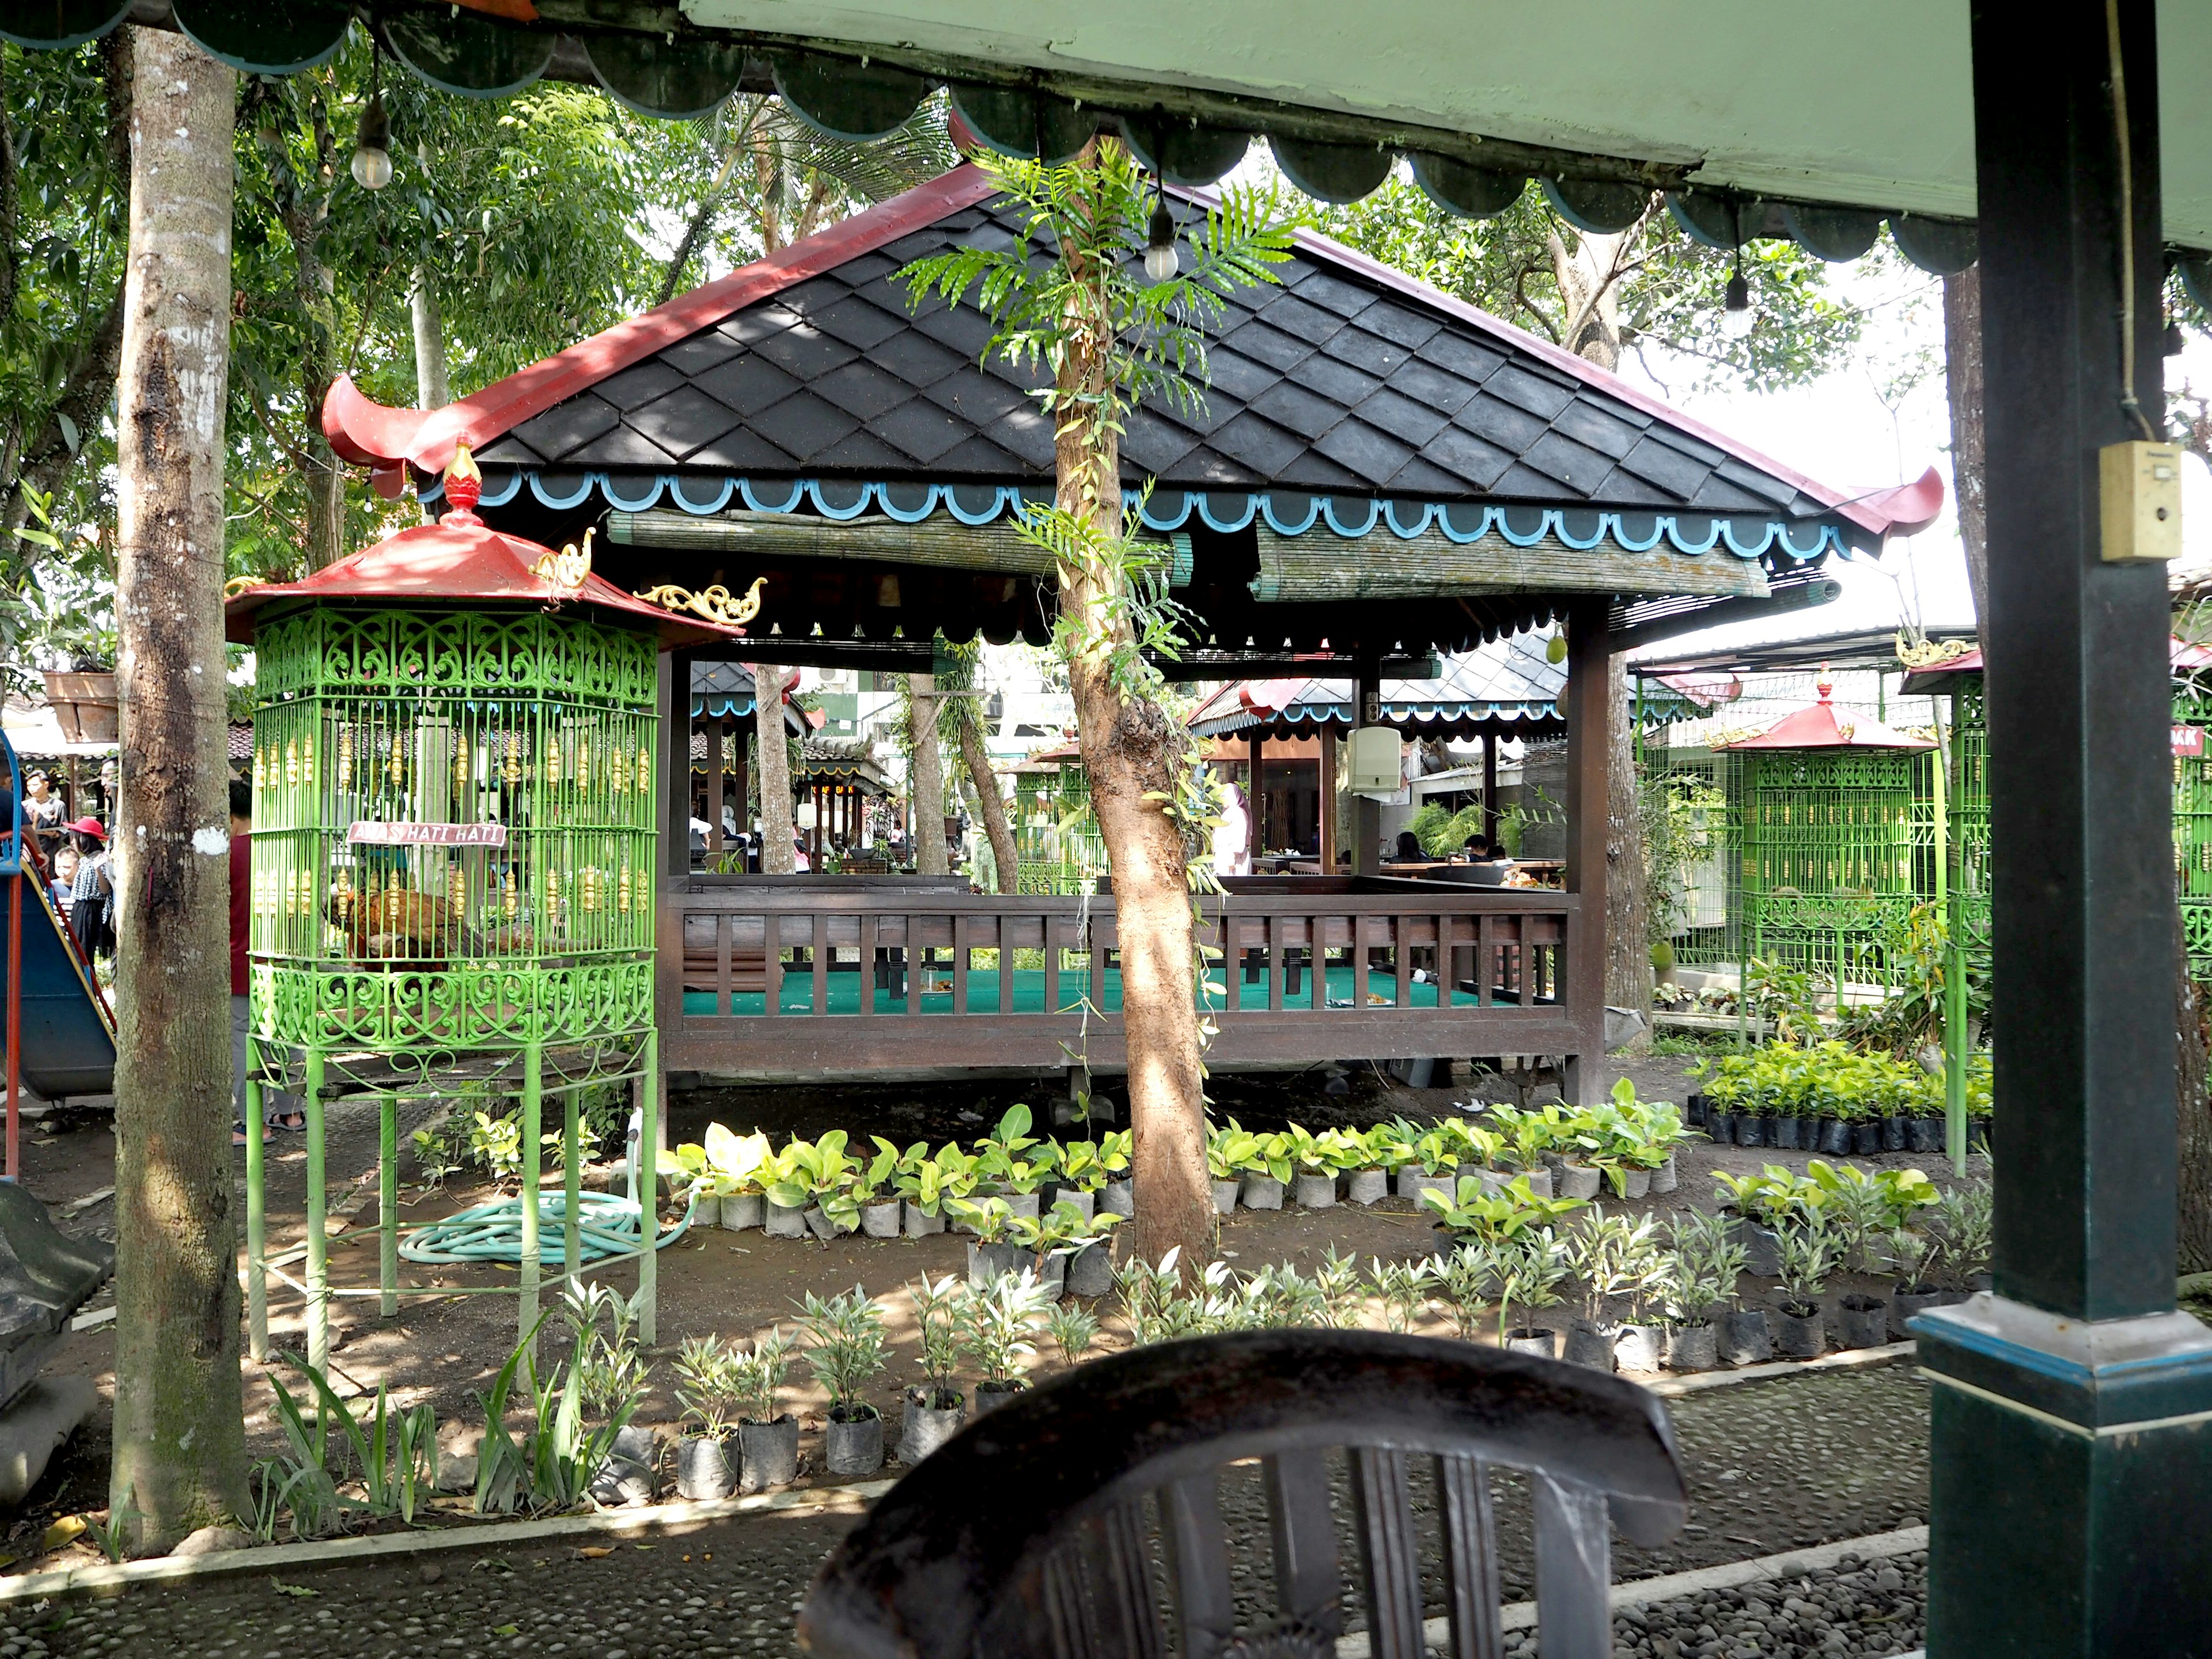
{"points": [[1027, 1533]]}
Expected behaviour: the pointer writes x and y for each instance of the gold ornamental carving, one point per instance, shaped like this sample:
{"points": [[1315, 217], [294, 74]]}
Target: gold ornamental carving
{"points": [[716, 603]]}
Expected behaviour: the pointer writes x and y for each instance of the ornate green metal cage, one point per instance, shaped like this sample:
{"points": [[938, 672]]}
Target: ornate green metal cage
{"points": [[1828, 855], [453, 838], [1060, 847], [455, 777]]}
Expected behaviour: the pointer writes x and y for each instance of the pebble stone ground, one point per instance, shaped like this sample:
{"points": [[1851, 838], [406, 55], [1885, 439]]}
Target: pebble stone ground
{"points": [[1859, 1607], [1773, 1466]]}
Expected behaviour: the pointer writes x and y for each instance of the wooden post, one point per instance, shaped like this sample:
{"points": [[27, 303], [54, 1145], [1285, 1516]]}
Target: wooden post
{"points": [[1366, 814], [1588, 715], [712, 724], [740, 779], [1257, 789], [1490, 791], [1327, 805], [2070, 1427]]}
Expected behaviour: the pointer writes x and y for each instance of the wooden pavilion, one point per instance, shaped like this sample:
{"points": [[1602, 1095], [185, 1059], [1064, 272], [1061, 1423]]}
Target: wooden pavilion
{"points": [[1509, 687], [1381, 473], [2072, 1423]]}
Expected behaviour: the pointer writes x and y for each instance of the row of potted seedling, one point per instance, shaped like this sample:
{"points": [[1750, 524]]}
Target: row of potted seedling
{"points": [[1622, 1143], [825, 1187], [1831, 1098], [1674, 1299], [1647, 1298]]}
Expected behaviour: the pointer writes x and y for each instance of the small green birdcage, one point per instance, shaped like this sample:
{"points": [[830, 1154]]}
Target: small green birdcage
{"points": [[453, 867], [1829, 849]]}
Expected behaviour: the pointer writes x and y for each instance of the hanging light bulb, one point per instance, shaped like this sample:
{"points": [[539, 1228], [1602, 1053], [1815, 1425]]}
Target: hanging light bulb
{"points": [[1736, 316], [1160, 261], [372, 144]]}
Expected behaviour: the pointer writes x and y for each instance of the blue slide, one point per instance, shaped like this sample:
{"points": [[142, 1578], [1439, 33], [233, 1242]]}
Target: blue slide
{"points": [[67, 1042]]}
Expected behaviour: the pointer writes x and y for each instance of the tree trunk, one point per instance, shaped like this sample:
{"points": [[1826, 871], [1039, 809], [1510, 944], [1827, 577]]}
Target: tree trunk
{"points": [[432, 391], [926, 777], [1627, 908], [776, 834], [180, 1454], [1962, 387], [1132, 749], [992, 805], [2192, 1116], [1589, 285]]}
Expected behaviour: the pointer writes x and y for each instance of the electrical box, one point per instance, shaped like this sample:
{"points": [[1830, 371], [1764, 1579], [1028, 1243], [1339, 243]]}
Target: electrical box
{"points": [[2139, 490], [1374, 759]]}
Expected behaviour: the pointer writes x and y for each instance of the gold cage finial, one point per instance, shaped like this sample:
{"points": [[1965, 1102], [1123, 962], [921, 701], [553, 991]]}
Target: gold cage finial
{"points": [[568, 568]]}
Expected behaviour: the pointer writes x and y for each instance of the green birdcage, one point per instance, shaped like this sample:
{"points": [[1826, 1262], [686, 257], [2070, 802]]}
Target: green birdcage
{"points": [[453, 863], [1830, 842], [1058, 839]]}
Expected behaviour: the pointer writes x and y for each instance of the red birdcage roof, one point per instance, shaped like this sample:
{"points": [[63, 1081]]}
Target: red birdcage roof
{"points": [[460, 560], [1823, 725]]}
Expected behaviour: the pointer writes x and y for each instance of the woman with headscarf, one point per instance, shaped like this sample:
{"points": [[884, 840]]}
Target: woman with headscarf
{"points": [[1232, 836]]}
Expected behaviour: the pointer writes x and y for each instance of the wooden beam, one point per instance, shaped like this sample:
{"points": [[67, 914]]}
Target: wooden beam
{"points": [[1320, 566]]}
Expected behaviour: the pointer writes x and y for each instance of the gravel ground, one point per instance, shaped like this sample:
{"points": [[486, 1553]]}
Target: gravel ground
{"points": [[1773, 1465], [1871, 1608], [731, 1590]]}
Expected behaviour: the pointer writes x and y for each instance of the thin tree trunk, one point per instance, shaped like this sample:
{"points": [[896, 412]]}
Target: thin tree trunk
{"points": [[926, 778], [432, 391], [179, 1456], [1589, 285], [992, 805], [776, 834], [1131, 751], [1962, 387]]}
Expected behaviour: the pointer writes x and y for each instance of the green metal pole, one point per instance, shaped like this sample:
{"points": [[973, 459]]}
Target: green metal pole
{"points": [[319, 1272], [532, 1103], [648, 1193], [572, 1187], [1954, 979], [256, 1228], [387, 1205]]}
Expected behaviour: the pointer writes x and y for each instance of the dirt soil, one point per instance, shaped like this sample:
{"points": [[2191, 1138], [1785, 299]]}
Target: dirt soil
{"points": [[441, 1349]]}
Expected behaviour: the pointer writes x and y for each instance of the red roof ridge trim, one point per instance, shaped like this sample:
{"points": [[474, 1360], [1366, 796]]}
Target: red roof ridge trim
{"points": [[368, 433]]}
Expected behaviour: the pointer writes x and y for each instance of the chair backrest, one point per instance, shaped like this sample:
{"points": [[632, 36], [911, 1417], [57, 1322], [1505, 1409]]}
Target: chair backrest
{"points": [[1028, 1535]]}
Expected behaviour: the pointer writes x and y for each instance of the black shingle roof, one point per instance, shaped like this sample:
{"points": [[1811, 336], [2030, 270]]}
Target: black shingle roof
{"points": [[1334, 381]]}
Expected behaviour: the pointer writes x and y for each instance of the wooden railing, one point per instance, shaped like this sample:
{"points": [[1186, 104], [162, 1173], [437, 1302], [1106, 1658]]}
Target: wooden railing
{"points": [[828, 978]]}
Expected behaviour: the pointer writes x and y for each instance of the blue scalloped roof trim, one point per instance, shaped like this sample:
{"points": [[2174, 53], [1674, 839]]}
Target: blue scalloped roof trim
{"points": [[1287, 512]]}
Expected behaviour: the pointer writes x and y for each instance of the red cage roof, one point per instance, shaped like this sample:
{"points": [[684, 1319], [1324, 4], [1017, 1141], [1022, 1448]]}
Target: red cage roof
{"points": [[460, 560], [1823, 725]]}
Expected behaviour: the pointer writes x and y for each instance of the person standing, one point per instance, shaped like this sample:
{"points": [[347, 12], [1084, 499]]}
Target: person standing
{"points": [[92, 894], [42, 810], [1232, 836], [278, 1110]]}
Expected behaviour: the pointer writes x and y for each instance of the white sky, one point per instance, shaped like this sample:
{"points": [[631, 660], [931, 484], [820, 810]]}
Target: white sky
{"points": [[1840, 430]]}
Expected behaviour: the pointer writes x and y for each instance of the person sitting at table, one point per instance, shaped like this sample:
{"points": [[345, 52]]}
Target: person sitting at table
{"points": [[1478, 851], [1409, 848]]}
